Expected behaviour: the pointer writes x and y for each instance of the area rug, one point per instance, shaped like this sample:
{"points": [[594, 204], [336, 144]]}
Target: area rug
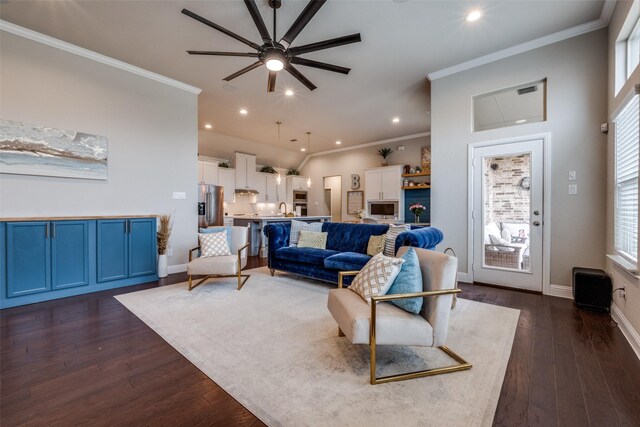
{"points": [[274, 347]]}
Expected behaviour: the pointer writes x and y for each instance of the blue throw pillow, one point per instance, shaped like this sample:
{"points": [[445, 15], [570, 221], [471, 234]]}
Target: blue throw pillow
{"points": [[217, 230], [409, 280]]}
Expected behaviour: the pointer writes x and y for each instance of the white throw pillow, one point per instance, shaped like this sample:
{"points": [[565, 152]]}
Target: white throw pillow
{"points": [[376, 277], [297, 226], [390, 238], [495, 240], [506, 235], [214, 244], [490, 229]]}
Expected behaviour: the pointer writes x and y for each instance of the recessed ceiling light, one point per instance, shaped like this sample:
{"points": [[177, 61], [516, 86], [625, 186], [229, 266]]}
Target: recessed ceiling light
{"points": [[243, 112], [288, 92], [303, 149], [208, 126], [521, 121], [396, 120], [338, 142], [474, 16]]}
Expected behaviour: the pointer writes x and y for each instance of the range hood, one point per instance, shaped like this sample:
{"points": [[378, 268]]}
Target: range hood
{"points": [[246, 191]]}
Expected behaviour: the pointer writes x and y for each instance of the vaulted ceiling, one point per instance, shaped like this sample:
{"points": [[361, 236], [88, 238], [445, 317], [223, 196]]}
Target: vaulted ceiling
{"points": [[402, 42]]}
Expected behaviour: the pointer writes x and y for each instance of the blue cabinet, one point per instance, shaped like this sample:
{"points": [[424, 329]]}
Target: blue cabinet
{"points": [[44, 260], [126, 248], [69, 254], [113, 247], [28, 258], [143, 254]]}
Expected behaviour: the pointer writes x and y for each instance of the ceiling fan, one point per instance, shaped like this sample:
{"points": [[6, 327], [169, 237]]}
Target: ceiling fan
{"points": [[278, 55]]}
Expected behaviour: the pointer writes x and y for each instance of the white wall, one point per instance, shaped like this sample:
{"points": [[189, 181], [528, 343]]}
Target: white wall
{"points": [[348, 162], [576, 105], [630, 306], [151, 130]]}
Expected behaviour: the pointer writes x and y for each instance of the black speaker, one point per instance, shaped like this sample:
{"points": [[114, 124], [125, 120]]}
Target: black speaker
{"points": [[592, 289]]}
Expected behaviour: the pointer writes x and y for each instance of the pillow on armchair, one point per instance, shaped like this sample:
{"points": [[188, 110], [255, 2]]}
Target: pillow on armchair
{"points": [[376, 277]]}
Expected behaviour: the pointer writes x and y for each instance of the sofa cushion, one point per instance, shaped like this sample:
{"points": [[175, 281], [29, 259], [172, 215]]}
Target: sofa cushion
{"points": [[304, 255], [346, 261], [227, 264], [312, 239], [408, 281], [297, 226], [346, 237], [390, 239]]}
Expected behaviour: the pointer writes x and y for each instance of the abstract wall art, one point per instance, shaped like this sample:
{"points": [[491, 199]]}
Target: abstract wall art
{"points": [[27, 149]]}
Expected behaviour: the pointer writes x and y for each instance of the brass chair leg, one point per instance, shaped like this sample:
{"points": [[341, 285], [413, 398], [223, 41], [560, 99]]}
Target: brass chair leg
{"points": [[192, 286], [272, 271], [340, 333], [462, 365]]}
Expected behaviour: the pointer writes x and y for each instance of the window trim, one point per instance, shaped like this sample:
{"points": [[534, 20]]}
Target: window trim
{"points": [[635, 91]]}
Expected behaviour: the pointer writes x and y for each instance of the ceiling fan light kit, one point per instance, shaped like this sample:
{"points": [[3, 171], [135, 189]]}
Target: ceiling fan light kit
{"points": [[278, 55]]}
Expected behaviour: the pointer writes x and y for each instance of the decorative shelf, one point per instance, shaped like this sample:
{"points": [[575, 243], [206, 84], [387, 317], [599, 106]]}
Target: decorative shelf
{"points": [[416, 187], [413, 175]]}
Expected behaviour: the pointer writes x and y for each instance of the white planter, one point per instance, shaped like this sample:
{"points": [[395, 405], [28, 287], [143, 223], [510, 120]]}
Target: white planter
{"points": [[162, 266]]}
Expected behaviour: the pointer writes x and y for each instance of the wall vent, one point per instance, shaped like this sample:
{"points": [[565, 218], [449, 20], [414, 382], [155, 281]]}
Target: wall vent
{"points": [[528, 89]]}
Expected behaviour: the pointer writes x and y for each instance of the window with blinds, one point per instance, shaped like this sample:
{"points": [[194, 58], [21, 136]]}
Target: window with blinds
{"points": [[627, 132]]}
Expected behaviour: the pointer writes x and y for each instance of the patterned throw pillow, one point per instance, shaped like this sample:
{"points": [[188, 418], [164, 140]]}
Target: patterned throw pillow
{"points": [[376, 276], [214, 244], [390, 238], [312, 239], [376, 245], [217, 229], [297, 226]]}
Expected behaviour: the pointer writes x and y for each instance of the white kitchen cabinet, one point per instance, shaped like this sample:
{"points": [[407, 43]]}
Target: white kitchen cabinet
{"points": [[207, 172], [267, 188], [245, 165], [227, 179], [295, 183], [383, 183]]}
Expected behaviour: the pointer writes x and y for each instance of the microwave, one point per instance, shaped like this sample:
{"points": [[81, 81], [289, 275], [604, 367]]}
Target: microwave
{"points": [[383, 209]]}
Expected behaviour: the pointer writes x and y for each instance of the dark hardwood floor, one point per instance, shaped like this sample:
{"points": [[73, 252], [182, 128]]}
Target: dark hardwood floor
{"points": [[88, 360]]}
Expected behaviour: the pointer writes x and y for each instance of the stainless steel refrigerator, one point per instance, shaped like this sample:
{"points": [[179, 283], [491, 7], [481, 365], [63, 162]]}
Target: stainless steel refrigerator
{"points": [[210, 205]]}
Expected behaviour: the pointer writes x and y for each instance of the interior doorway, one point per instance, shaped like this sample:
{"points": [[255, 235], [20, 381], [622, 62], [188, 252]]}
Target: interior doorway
{"points": [[507, 210], [333, 197]]}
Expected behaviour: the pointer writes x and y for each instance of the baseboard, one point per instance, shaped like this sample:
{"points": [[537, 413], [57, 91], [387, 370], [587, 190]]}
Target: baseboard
{"points": [[464, 278], [560, 291], [627, 330], [178, 268]]}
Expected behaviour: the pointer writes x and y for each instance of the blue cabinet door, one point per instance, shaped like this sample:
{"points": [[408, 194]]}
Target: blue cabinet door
{"points": [[113, 249], [142, 247], [69, 254], [28, 258]]}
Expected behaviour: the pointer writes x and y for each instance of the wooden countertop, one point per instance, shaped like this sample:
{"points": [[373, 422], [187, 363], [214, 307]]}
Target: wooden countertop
{"points": [[71, 218]]}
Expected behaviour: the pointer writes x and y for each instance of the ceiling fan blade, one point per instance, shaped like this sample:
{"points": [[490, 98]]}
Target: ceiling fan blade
{"points": [[326, 44], [244, 70], [298, 75], [257, 19], [320, 65], [219, 28], [271, 84], [208, 52], [303, 19]]}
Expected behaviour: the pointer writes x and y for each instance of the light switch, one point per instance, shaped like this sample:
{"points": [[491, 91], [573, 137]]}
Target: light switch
{"points": [[573, 189], [573, 175], [179, 195]]}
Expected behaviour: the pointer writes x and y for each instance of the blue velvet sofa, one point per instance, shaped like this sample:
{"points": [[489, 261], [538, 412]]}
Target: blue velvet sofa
{"points": [[346, 248]]}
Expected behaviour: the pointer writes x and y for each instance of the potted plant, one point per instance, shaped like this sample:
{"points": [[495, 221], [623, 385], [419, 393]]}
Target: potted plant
{"points": [[164, 233], [417, 210], [223, 165], [360, 213], [267, 169], [384, 153], [293, 172]]}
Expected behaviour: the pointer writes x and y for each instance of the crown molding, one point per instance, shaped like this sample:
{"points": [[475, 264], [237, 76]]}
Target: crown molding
{"points": [[367, 144], [94, 56], [596, 24]]}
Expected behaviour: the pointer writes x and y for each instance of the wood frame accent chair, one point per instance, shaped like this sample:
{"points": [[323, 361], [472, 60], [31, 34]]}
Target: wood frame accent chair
{"points": [[382, 323], [222, 266]]}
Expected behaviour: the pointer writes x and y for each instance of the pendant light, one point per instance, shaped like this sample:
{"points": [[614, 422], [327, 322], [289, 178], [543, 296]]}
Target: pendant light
{"points": [[309, 151], [278, 176]]}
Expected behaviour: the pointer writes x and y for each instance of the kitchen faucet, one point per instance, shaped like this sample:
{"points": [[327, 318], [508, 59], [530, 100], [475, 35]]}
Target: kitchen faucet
{"points": [[280, 207]]}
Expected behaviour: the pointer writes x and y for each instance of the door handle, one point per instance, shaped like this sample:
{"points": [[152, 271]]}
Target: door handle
{"points": [[536, 213], [53, 230], [46, 230], [536, 223]]}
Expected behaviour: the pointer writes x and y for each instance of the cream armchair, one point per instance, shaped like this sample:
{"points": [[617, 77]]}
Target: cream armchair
{"points": [[222, 266], [383, 323]]}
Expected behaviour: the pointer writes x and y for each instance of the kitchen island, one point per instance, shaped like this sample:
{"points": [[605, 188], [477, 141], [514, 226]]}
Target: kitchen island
{"points": [[257, 222]]}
